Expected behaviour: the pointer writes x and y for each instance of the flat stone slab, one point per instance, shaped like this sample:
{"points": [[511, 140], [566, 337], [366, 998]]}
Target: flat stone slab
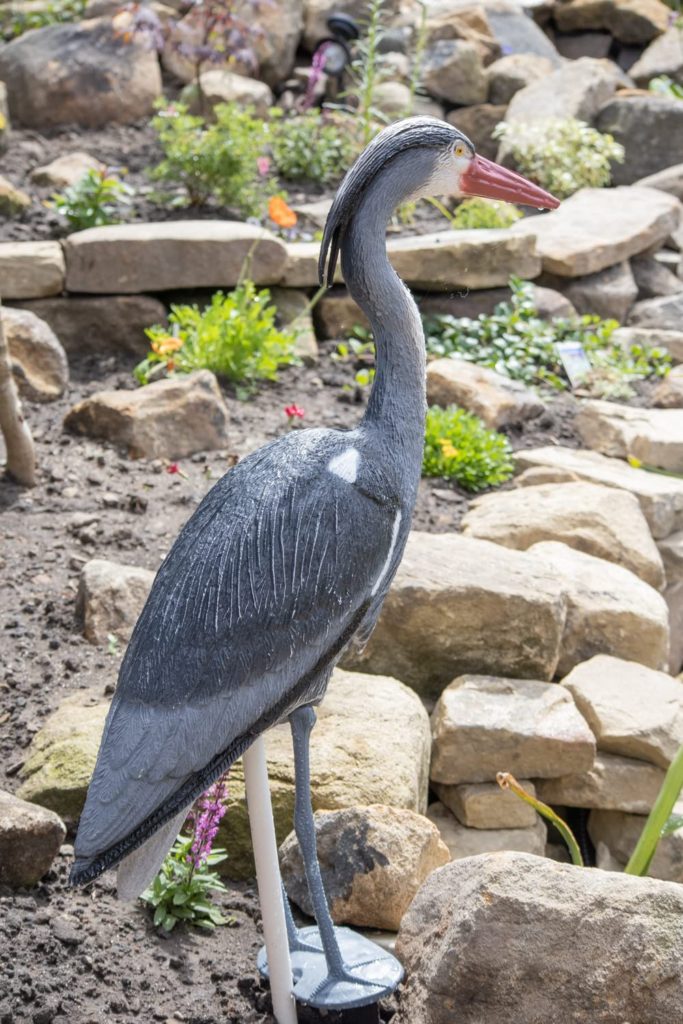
{"points": [[301, 266], [130, 258], [586, 516], [660, 497], [614, 783], [633, 710], [31, 270], [597, 227], [654, 436], [499, 401], [609, 609], [436, 620], [486, 805], [483, 725], [469, 842]]}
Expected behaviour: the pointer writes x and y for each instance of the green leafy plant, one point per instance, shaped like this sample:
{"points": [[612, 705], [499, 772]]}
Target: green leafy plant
{"points": [[213, 161], [561, 155], [358, 348], [235, 337], [365, 71], [515, 341], [507, 781], [180, 892], [97, 198], [479, 213], [459, 447], [665, 86], [14, 21], [314, 146], [661, 821]]}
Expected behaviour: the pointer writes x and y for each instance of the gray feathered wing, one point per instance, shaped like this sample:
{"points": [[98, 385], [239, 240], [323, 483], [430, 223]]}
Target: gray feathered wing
{"points": [[263, 589]]}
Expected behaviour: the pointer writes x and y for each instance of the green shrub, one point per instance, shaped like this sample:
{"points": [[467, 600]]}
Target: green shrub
{"points": [[484, 213], [180, 891], [235, 337], [458, 446], [516, 342], [561, 155], [217, 160], [14, 21], [313, 146], [97, 198]]}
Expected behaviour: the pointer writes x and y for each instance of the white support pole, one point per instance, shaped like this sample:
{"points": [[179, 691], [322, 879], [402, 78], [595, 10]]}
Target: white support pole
{"points": [[269, 884]]}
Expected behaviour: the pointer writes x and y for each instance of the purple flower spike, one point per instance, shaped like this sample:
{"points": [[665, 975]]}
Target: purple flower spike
{"points": [[207, 816]]}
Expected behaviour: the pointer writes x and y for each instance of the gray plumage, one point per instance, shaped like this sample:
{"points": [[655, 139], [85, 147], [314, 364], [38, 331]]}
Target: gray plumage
{"points": [[285, 561]]}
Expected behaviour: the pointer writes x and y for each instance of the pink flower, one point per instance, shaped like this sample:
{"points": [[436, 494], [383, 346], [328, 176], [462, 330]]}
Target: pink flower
{"points": [[206, 818], [173, 467], [263, 164], [294, 411]]}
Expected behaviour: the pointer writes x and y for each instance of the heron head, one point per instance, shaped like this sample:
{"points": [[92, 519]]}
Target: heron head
{"points": [[415, 158]]}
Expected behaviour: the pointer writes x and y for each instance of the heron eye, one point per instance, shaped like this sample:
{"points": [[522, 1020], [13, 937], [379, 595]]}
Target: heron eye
{"points": [[459, 150]]}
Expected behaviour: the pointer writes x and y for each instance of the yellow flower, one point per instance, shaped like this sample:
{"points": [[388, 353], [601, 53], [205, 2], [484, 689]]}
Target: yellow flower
{"points": [[165, 345], [447, 449]]}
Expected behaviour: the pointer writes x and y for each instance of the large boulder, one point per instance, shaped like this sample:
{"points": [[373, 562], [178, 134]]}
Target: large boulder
{"points": [[453, 71], [38, 360], [482, 725], [660, 497], [512, 28], [222, 86], [498, 400], [470, 913], [478, 258], [30, 837], [650, 128], [577, 89], [633, 711], [513, 72], [80, 73], [4, 118], [169, 418], [29, 270], [169, 255], [598, 227], [110, 598], [664, 56], [65, 170], [585, 516], [608, 293], [664, 313], [629, 21], [613, 783], [468, 842], [653, 279], [609, 610], [619, 832], [653, 436], [373, 861], [669, 180], [436, 620]]}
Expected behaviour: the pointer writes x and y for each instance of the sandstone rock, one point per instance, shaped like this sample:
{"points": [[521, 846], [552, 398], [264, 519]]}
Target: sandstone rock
{"points": [[65, 170], [584, 515], [654, 279], [613, 782], [665, 313], [301, 266], [169, 255], [629, 21], [671, 340], [51, 74], [626, 968], [4, 117], [669, 180], [392, 98], [293, 312], [336, 315], [468, 842], [38, 360], [110, 598], [609, 610], [609, 293], [222, 86], [596, 228], [13, 201], [633, 710], [654, 436], [649, 127], [62, 755], [462, 21], [536, 475], [29, 270], [483, 725], [166, 419], [113, 323], [660, 497], [673, 595], [671, 550], [578, 89], [509, 74], [453, 71], [348, 768], [669, 392], [498, 400], [373, 861], [30, 837], [664, 56], [486, 805], [477, 123], [584, 44], [620, 833], [515, 31], [436, 619]]}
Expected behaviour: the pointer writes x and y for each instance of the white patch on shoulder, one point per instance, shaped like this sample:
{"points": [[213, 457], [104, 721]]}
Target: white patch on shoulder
{"points": [[385, 567], [345, 465]]}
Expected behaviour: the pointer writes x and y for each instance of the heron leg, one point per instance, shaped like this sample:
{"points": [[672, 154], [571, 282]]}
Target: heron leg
{"points": [[302, 721]]}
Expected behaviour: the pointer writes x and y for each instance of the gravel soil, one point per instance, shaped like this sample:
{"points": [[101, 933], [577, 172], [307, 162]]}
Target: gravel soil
{"points": [[81, 957]]}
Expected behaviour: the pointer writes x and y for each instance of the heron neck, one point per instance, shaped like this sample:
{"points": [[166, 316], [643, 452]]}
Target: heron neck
{"points": [[397, 402]]}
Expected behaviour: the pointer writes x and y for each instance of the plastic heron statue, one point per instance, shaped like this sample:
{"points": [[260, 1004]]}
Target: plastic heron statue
{"points": [[284, 564]]}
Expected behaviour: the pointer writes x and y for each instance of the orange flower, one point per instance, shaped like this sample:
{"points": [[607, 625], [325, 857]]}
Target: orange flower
{"points": [[167, 344], [279, 212], [447, 448]]}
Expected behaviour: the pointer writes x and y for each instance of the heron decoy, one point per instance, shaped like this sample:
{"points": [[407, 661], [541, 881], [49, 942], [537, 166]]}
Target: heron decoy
{"points": [[285, 562]]}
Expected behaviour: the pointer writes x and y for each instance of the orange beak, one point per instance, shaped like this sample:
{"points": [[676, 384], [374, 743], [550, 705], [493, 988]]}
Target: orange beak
{"points": [[488, 180]]}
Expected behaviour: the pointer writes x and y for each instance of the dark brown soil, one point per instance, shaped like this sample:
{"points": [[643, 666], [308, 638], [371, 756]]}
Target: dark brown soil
{"points": [[80, 957]]}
